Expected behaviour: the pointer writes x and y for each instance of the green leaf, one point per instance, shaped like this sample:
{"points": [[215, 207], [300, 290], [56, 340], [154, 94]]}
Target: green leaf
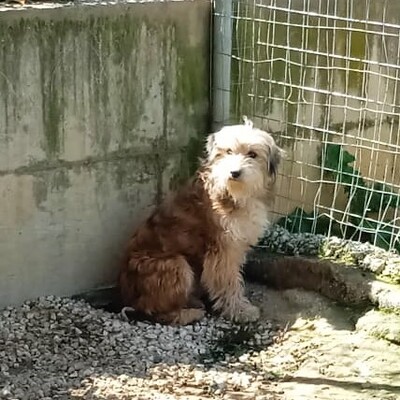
{"points": [[337, 160], [383, 196], [297, 221]]}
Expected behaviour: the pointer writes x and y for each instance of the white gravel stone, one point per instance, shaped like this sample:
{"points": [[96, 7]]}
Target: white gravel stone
{"points": [[53, 347]]}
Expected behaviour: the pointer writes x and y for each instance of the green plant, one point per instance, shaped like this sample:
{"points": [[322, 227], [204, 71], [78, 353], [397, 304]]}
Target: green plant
{"points": [[363, 200]]}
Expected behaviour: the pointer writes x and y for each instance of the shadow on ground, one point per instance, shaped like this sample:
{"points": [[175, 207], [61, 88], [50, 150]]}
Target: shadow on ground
{"points": [[315, 353]]}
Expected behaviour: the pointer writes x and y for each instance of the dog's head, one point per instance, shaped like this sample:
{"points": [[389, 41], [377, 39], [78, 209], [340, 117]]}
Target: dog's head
{"points": [[243, 160]]}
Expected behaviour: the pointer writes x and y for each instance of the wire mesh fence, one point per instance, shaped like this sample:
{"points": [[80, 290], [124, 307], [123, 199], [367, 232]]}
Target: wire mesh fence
{"points": [[323, 77]]}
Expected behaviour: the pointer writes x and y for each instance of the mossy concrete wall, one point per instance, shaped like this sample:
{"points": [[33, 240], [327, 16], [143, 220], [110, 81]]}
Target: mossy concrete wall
{"points": [[102, 109]]}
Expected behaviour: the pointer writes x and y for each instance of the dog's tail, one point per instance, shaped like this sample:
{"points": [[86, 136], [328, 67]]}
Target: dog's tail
{"points": [[247, 122], [129, 314], [124, 311]]}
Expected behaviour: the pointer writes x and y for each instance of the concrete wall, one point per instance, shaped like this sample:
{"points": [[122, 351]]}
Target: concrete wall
{"points": [[101, 111]]}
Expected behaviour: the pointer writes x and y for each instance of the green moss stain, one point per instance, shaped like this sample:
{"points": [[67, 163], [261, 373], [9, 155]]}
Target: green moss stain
{"points": [[51, 181], [256, 85], [108, 43], [60, 180], [242, 77], [358, 43], [192, 71], [350, 44], [290, 55], [40, 191], [387, 310], [10, 58], [192, 98], [194, 151], [192, 75], [50, 37], [99, 42], [118, 41], [115, 59], [189, 160], [138, 170]]}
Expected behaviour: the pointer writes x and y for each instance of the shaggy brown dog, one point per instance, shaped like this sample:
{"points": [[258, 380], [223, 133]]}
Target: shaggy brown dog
{"points": [[196, 241]]}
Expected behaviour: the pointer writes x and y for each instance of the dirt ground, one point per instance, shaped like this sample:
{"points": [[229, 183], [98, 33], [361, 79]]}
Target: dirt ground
{"points": [[322, 355]]}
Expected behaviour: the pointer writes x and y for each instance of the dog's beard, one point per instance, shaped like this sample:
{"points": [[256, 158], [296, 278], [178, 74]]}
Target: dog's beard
{"points": [[237, 188]]}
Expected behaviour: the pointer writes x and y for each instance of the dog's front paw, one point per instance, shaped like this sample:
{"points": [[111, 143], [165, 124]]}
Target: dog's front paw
{"points": [[247, 313], [243, 313]]}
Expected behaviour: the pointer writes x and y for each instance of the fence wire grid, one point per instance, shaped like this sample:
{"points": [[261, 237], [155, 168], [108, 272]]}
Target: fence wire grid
{"points": [[323, 77]]}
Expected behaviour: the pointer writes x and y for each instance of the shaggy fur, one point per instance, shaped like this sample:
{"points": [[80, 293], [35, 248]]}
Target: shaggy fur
{"points": [[195, 243]]}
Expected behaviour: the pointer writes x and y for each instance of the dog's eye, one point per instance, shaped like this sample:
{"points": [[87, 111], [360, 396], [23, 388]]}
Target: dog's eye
{"points": [[229, 151], [251, 154]]}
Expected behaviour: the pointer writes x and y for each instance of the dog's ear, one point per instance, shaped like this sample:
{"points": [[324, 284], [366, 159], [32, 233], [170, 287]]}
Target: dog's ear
{"points": [[274, 160], [210, 144], [247, 122]]}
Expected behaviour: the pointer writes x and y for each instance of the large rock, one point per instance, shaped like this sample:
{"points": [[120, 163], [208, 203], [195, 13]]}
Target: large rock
{"points": [[381, 325], [349, 285]]}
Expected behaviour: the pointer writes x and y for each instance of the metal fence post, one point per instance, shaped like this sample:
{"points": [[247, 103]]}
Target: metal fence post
{"points": [[222, 51]]}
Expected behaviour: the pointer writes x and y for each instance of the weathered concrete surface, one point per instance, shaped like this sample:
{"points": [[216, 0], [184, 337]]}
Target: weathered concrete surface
{"points": [[101, 111], [343, 283]]}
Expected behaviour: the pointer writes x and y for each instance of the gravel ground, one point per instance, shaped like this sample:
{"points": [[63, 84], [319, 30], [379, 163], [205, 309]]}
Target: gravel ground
{"points": [[58, 348]]}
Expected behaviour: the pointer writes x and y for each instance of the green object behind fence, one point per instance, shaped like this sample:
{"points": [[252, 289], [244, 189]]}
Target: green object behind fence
{"points": [[363, 201]]}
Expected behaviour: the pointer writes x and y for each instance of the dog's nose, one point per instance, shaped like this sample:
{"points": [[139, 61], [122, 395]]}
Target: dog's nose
{"points": [[235, 174]]}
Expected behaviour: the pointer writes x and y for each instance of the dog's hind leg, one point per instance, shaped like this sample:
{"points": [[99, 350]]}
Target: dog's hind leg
{"points": [[161, 287], [182, 317]]}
